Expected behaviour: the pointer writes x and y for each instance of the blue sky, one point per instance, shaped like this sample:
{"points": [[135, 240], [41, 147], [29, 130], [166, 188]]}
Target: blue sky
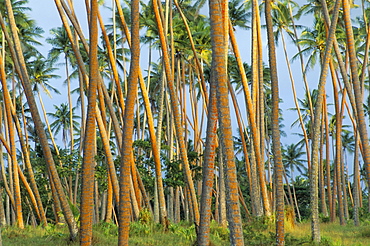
{"points": [[47, 17]]}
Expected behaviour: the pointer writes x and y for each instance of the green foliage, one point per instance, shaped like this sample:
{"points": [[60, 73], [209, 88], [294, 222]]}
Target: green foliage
{"points": [[107, 228], [302, 190], [324, 219], [50, 235], [255, 231], [174, 171], [174, 175], [145, 225], [187, 233], [139, 229], [145, 164], [260, 231], [364, 214], [219, 232], [145, 216], [70, 162]]}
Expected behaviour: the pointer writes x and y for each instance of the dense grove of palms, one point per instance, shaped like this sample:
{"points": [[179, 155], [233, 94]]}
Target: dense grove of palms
{"points": [[192, 131]]}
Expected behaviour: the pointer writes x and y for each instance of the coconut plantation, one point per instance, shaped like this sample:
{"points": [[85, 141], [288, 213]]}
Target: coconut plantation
{"points": [[184, 122]]}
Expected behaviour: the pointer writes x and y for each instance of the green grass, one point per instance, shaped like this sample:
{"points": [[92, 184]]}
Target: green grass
{"points": [[335, 234], [258, 232], [106, 234]]}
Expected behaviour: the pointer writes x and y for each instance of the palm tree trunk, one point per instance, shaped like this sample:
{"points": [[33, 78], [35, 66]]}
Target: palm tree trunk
{"points": [[156, 143], [276, 146], [356, 178], [324, 209], [219, 39], [109, 202], [208, 169], [88, 165], [198, 65], [251, 113], [362, 126], [306, 140], [327, 155], [221, 191], [175, 111], [317, 126], [307, 89], [27, 162], [12, 148], [338, 147], [128, 126], [18, 58]]}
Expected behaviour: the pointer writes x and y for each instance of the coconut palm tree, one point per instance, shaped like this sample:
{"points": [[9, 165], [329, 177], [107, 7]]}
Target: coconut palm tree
{"points": [[128, 127], [293, 159], [88, 164], [17, 56], [175, 110], [317, 127], [62, 45], [219, 38], [276, 145], [62, 121], [357, 87]]}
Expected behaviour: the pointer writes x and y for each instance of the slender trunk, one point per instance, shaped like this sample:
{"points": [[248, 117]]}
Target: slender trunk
{"points": [[17, 55], [128, 127], [338, 146], [303, 127], [208, 169], [356, 172], [88, 165], [13, 149], [324, 209], [109, 202], [175, 111], [276, 145], [219, 39], [362, 126], [327, 154], [317, 126]]}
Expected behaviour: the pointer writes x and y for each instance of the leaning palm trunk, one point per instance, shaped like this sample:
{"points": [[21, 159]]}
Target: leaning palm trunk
{"points": [[256, 158], [302, 66], [338, 146], [324, 209], [60, 5], [25, 151], [208, 169], [219, 40], [328, 171], [362, 127], [128, 127], [155, 142], [197, 62], [176, 113], [276, 146], [13, 150], [317, 126], [17, 56], [88, 165], [356, 171], [306, 140], [157, 137]]}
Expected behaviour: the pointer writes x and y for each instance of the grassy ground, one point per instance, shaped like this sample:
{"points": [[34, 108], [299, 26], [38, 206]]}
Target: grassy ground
{"points": [[106, 234], [256, 233], [335, 234]]}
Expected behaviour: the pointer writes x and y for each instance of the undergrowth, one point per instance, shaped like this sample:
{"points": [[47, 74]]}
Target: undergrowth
{"points": [[259, 231]]}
